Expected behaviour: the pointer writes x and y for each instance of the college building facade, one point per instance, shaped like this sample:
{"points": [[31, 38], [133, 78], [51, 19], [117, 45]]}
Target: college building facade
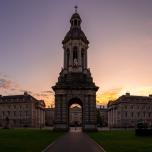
{"points": [[128, 111], [21, 111]]}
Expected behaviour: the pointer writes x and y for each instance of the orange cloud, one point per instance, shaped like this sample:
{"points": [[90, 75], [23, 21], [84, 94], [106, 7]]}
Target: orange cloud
{"points": [[112, 94], [47, 96]]}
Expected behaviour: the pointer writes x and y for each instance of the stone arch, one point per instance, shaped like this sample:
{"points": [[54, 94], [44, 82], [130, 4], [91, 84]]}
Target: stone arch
{"points": [[75, 100], [75, 52]]}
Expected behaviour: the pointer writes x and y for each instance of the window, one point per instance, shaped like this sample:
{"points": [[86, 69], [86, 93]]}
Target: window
{"points": [[8, 113], [126, 114], [149, 114], [26, 113], [3, 113], [138, 114], [75, 53], [144, 114], [75, 22], [132, 114], [78, 22], [82, 58], [14, 113]]}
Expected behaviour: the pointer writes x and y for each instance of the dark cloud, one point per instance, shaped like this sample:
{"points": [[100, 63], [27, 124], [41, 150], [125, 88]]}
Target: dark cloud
{"points": [[3, 75], [7, 84]]}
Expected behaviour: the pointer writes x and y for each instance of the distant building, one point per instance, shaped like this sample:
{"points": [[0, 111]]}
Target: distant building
{"points": [[21, 111], [49, 116], [75, 116], [103, 116], [128, 111]]}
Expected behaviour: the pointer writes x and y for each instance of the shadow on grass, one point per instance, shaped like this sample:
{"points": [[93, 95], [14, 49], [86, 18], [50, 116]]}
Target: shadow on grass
{"points": [[122, 141], [26, 140]]}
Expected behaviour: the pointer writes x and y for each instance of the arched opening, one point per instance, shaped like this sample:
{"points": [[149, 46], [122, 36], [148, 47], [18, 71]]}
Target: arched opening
{"points": [[75, 56], [75, 22], [75, 114], [75, 53], [82, 58]]}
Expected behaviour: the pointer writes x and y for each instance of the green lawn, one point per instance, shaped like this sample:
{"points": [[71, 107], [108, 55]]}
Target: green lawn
{"points": [[122, 141], [26, 140]]}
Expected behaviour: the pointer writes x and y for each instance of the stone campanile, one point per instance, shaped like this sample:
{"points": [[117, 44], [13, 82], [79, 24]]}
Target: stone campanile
{"points": [[75, 46], [75, 84]]}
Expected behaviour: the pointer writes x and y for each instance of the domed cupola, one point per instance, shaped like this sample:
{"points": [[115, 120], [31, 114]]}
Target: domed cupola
{"points": [[75, 32], [75, 19], [75, 45]]}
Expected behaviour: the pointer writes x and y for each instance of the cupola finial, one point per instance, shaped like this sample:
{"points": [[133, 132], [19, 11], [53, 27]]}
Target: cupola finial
{"points": [[76, 8]]}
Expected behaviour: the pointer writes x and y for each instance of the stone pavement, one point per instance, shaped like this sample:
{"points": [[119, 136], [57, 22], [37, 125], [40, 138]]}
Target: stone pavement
{"points": [[74, 141]]}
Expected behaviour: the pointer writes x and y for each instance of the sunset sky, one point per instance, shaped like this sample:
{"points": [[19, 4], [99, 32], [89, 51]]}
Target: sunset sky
{"points": [[119, 54]]}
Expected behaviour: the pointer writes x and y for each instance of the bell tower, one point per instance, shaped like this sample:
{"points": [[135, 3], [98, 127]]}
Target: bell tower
{"points": [[75, 84], [75, 45]]}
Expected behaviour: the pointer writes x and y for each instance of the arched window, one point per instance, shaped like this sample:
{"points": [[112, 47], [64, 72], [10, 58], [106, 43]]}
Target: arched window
{"points": [[75, 22], [75, 56], [82, 58], [75, 53]]}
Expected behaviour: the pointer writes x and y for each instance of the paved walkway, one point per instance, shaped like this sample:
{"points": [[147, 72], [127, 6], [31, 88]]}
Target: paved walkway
{"points": [[74, 141]]}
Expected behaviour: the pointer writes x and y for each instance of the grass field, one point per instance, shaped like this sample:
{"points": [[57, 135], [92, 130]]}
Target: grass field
{"points": [[26, 140], [122, 141]]}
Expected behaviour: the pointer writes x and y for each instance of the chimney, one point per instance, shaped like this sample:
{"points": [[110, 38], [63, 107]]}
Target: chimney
{"points": [[127, 94], [25, 93]]}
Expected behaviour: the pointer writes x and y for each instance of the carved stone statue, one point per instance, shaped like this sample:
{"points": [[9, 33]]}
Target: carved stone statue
{"points": [[75, 61]]}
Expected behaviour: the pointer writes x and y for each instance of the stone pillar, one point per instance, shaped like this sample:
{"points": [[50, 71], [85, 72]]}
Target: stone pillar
{"points": [[116, 117], [79, 57], [65, 59], [71, 57], [85, 59], [93, 109], [90, 113], [111, 116], [60, 115], [85, 110], [108, 117]]}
